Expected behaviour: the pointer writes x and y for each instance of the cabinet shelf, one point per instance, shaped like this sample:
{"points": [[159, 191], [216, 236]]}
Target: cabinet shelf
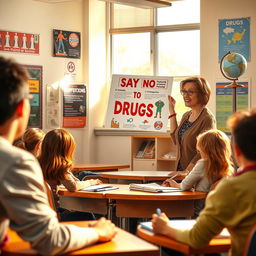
{"points": [[163, 145]]}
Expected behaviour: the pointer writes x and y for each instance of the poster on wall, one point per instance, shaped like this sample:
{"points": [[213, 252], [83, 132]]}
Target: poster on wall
{"points": [[234, 36], [139, 103], [66, 44], [19, 42], [53, 106], [74, 106], [224, 102], [35, 89]]}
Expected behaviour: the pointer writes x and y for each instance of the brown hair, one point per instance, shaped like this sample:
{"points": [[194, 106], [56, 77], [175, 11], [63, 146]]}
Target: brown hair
{"points": [[13, 87], [243, 125], [30, 138], [56, 156], [216, 146], [202, 86]]}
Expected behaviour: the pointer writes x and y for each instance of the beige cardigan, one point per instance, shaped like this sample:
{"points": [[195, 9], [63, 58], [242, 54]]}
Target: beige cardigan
{"points": [[186, 151]]}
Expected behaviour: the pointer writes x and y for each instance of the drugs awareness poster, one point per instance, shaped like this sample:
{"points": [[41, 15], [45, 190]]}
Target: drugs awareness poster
{"points": [[139, 103]]}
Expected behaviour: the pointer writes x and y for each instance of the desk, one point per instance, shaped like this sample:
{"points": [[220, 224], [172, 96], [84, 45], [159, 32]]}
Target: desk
{"points": [[99, 167], [124, 244], [143, 176], [128, 203], [216, 245]]}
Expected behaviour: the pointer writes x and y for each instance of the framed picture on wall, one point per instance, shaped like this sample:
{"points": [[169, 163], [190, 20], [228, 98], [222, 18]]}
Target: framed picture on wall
{"points": [[35, 89], [66, 44]]}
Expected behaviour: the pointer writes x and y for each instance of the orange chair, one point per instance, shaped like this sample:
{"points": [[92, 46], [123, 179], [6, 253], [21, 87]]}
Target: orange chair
{"points": [[50, 196], [250, 247], [214, 185]]}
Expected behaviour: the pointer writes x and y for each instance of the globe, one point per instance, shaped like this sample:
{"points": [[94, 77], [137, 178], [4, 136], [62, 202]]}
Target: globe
{"points": [[233, 65]]}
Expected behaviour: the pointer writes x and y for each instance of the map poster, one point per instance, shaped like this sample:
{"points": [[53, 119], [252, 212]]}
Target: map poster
{"points": [[35, 89], [19, 42], [224, 102], [74, 106], [66, 44], [139, 103], [234, 36]]}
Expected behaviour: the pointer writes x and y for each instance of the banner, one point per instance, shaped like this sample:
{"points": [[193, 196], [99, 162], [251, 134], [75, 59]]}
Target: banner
{"points": [[19, 42], [224, 102], [74, 106], [35, 89], [139, 103]]}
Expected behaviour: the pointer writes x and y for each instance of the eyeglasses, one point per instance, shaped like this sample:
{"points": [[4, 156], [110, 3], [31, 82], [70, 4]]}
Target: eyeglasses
{"points": [[189, 93]]}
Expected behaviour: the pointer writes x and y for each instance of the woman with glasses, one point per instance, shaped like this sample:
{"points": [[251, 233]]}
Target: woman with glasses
{"points": [[196, 93]]}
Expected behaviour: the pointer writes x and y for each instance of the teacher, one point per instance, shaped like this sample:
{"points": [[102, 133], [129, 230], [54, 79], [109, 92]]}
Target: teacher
{"points": [[196, 93]]}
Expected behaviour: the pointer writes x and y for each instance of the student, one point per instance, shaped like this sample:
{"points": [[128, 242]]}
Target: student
{"points": [[24, 204], [215, 150], [31, 141], [56, 161], [232, 204], [196, 94]]}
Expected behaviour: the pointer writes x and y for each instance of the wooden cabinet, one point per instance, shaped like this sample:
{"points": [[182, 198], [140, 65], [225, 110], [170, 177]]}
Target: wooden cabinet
{"points": [[163, 147]]}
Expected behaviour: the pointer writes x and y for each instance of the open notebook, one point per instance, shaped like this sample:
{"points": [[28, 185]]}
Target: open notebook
{"points": [[153, 187], [96, 188], [183, 224]]}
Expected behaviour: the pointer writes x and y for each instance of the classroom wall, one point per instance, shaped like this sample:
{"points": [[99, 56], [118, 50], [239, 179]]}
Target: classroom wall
{"points": [[118, 147], [88, 17]]}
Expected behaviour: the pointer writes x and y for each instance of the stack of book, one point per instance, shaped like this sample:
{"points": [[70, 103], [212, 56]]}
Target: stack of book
{"points": [[146, 150]]}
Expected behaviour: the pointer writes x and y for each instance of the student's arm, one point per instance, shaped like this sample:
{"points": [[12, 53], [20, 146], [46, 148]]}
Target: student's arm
{"points": [[194, 176], [72, 184]]}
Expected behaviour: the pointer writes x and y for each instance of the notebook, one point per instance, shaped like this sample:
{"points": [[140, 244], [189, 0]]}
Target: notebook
{"points": [[183, 224], [153, 187], [98, 188]]}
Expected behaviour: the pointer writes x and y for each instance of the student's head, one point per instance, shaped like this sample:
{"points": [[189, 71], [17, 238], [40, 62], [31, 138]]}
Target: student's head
{"points": [[214, 146], [56, 153], [14, 102], [196, 89], [31, 140], [243, 126]]}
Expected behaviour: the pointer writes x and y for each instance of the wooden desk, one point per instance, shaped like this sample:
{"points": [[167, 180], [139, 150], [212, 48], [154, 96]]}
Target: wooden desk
{"points": [[99, 167], [144, 176], [128, 203], [124, 244], [216, 245]]}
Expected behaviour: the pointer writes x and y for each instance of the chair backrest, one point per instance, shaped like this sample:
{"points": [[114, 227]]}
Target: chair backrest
{"points": [[250, 246], [50, 196]]}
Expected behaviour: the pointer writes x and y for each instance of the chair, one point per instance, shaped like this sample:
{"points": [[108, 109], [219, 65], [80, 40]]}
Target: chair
{"points": [[250, 246], [214, 185], [50, 196]]}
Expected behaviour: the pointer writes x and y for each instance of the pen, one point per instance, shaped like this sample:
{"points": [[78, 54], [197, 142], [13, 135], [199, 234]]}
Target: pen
{"points": [[158, 212]]}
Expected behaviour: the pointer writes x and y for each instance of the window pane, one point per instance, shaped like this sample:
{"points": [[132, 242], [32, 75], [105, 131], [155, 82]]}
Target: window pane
{"points": [[180, 107], [179, 53], [131, 54], [125, 16], [181, 12]]}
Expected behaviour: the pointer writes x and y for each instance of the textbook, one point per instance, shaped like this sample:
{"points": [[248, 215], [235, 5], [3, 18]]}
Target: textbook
{"points": [[183, 224], [98, 188], [153, 187]]}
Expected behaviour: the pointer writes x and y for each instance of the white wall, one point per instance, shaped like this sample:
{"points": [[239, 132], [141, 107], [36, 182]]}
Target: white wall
{"points": [[211, 12], [87, 17]]}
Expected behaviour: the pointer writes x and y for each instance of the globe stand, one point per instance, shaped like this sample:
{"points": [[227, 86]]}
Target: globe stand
{"points": [[233, 85]]}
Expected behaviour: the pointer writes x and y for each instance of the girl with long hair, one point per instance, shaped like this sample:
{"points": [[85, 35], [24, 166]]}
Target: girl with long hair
{"points": [[56, 160], [215, 150]]}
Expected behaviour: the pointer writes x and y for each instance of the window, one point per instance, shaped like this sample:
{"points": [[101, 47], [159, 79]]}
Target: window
{"points": [[163, 41]]}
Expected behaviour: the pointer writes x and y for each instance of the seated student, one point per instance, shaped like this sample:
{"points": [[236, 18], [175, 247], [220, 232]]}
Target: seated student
{"points": [[24, 204], [31, 141], [56, 161], [232, 204], [215, 150]]}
